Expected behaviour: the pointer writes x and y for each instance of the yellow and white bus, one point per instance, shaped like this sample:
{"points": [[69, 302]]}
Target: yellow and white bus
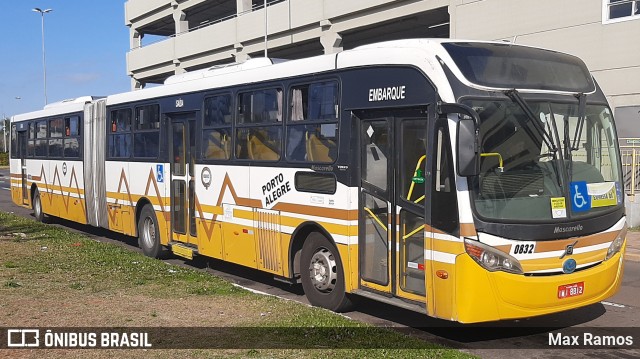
{"points": [[470, 181]]}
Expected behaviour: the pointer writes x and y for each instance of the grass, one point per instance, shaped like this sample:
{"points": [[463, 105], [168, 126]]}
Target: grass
{"points": [[4, 158], [72, 281]]}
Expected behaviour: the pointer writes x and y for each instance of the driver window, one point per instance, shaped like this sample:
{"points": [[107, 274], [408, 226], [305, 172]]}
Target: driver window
{"points": [[444, 202]]}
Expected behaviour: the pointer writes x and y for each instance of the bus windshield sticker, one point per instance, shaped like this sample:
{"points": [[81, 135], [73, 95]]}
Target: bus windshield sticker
{"points": [[558, 207], [603, 194], [580, 199]]}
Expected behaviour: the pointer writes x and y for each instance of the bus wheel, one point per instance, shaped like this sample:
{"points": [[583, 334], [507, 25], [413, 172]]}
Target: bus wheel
{"points": [[322, 274], [148, 233], [37, 206]]}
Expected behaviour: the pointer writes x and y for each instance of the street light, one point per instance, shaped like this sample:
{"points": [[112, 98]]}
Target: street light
{"points": [[266, 27], [5, 121], [44, 58]]}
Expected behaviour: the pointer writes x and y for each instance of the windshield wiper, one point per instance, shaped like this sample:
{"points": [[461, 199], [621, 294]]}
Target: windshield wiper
{"points": [[514, 95], [582, 100]]}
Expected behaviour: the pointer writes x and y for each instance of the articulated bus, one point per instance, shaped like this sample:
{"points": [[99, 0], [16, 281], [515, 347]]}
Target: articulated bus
{"points": [[469, 181]]}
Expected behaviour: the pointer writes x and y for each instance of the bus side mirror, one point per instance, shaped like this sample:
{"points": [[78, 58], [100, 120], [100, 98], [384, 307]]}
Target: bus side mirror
{"points": [[468, 159]]}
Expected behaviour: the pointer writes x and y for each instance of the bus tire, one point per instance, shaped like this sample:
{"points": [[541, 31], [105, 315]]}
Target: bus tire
{"points": [[36, 204], [322, 274], [149, 233]]}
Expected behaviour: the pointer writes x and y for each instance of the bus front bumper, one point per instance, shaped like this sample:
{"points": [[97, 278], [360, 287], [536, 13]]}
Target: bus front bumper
{"points": [[487, 296]]}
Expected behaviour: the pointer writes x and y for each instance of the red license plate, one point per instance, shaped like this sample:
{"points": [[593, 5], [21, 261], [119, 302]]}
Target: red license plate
{"points": [[570, 290]]}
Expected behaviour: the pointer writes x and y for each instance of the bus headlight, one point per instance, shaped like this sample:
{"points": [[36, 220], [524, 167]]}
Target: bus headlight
{"points": [[491, 258], [616, 245]]}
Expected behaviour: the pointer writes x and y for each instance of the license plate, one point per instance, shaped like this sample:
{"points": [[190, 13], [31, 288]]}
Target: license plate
{"points": [[570, 290]]}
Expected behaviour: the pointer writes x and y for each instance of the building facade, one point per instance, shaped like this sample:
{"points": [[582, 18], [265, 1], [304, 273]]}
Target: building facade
{"points": [[172, 37]]}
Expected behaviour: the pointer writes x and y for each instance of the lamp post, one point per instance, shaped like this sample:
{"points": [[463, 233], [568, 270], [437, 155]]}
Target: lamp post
{"points": [[4, 131], [266, 23], [5, 122], [44, 57]]}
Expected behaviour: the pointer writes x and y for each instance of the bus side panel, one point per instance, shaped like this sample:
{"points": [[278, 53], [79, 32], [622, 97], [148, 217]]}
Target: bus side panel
{"points": [[225, 201], [145, 182], [350, 261], [119, 198], [16, 181], [39, 175], [209, 238], [238, 237], [49, 179], [68, 190]]}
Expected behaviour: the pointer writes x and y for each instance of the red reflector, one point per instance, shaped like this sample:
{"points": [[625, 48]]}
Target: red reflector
{"points": [[245, 231], [421, 266]]}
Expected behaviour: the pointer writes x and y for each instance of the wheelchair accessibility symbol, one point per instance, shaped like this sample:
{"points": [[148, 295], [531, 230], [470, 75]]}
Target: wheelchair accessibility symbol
{"points": [[160, 173], [580, 199]]}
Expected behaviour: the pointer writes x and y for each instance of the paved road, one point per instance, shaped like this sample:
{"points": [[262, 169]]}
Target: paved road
{"points": [[620, 311]]}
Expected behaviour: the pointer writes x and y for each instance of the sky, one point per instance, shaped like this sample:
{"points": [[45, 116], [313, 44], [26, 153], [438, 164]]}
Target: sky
{"points": [[85, 42]]}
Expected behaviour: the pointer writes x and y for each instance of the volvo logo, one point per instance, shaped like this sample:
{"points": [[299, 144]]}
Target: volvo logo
{"points": [[569, 250], [569, 266]]}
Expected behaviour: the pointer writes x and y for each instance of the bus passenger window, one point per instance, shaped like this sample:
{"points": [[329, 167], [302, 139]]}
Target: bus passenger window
{"points": [[263, 142], [14, 142], [71, 141], [216, 144], [55, 133], [119, 142], [312, 127], [71, 148], [146, 137], [41, 144], [216, 134], [261, 106], [31, 144], [217, 111]]}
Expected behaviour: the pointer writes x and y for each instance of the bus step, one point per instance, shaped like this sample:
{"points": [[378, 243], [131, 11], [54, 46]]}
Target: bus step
{"points": [[393, 301], [183, 250]]}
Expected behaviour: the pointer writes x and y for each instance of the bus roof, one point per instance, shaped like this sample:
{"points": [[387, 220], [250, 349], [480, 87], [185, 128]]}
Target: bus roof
{"points": [[421, 53], [58, 108]]}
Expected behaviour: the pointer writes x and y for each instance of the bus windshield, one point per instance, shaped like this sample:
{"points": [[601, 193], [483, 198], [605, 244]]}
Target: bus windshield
{"points": [[565, 166]]}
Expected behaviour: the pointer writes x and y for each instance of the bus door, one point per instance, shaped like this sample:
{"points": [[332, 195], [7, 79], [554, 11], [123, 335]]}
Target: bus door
{"points": [[22, 154], [182, 153], [391, 204]]}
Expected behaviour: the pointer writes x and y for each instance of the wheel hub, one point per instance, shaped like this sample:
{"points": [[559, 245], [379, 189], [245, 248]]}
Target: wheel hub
{"points": [[323, 270], [148, 232]]}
